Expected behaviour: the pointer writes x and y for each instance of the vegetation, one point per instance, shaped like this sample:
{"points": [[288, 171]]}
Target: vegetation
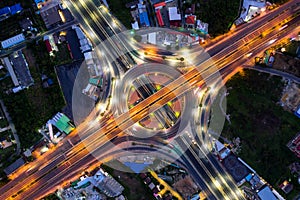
{"points": [[24, 3], [263, 126], [134, 188], [51, 197], [278, 1], [122, 13], [291, 48], [10, 27], [32, 108], [218, 14]]}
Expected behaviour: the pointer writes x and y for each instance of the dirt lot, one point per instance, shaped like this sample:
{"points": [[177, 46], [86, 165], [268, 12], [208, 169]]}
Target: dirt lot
{"points": [[135, 189], [287, 64]]}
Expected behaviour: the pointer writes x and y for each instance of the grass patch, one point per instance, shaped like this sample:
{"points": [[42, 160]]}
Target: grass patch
{"points": [[122, 13], [51, 197], [62, 56], [291, 48], [263, 126], [218, 14], [10, 27], [33, 107]]}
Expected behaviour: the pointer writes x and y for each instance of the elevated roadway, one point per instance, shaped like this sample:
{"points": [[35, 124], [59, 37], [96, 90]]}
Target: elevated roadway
{"points": [[112, 129]]}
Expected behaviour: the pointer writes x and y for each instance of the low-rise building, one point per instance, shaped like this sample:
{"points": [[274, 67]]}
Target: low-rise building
{"points": [[13, 41], [9, 11], [50, 14], [286, 187], [14, 166], [21, 69], [107, 184], [294, 145], [62, 123], [266, 194], [174, 16]]}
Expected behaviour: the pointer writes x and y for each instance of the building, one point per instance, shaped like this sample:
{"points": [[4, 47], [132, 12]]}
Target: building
{"points": [[297, 112], [143, 15], [50, 14], [162, 15], [4, 144], [13, 41], [250, 9], [107, 184], [62, 123], [21, 69], [235, 167], [39, 3], [26, 24], [4, 12], [17, 8], [190, 21], [174, 16], [13, 167], [294, 145], [11, 71], [221, 150], [266, 194], [135, 25], [9, 11], [286, 187], [17, 67], [85, 44]]}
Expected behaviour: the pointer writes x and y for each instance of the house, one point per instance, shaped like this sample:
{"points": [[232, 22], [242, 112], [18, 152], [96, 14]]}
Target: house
{"points": [[190, 21], [174, 16], [294, 145], [286, 186], [4, 144]]}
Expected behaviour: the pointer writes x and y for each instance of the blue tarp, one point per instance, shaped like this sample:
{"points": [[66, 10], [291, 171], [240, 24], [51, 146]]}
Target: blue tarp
{"points": [[144, 19], [297, 112], [249, 177], [39, 1], [4, 11], [16, 8]]}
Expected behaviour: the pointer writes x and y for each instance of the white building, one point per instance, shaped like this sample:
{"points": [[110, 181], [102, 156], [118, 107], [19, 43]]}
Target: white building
{"points": [[173, 14]]}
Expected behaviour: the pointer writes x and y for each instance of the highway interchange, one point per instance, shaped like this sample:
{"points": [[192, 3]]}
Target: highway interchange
{"points": [[100, 139]]}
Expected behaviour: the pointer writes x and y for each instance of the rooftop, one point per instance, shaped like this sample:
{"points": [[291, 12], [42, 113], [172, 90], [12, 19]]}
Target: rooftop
{"points": [[50, 15], [235, 167], [266, 194], [14, 166], [21, 68]]}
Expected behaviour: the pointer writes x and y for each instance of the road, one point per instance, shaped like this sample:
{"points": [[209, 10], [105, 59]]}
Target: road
{"points": [[12, 127], [274, 72], [6, 52], [113, 127]]}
